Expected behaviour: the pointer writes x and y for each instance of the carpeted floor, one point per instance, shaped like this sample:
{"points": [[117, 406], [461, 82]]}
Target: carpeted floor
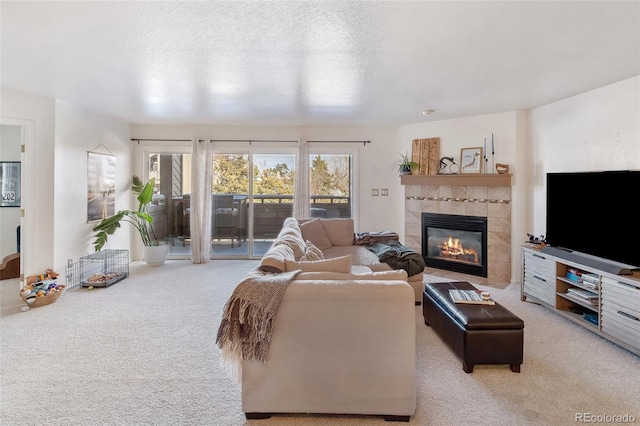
{"points": [[143, 352]]}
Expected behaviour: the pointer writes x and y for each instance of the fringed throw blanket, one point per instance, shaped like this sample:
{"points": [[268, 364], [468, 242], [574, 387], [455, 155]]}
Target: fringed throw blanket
{"points": [[249, 315]]}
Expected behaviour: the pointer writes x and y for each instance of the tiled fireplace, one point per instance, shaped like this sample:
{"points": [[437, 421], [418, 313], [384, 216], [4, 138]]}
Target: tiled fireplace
{"points": [[482, 196]]}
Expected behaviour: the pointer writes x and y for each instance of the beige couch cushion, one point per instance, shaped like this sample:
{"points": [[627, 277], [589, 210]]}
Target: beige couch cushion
{"points": [[338, 264], [313, 231], [312, 252], [339, 231], [385, 275], [359, 269], [359, 255]]}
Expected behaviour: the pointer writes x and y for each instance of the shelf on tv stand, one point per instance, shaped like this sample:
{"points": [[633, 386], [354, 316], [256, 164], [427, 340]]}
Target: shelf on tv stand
{"points": [[545, 281], [579, 301], [578, 319]]}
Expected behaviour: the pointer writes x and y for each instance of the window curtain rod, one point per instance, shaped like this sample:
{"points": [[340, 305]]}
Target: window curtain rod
{"points": [[162, 140], [251, 140], [240, 140], [362, 142]]}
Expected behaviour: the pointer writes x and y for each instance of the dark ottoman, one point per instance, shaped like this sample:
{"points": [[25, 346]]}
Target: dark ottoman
{"points": [[477, 334]]}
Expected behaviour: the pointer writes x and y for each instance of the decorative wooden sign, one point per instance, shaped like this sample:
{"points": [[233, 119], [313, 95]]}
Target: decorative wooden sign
{"points": [[426, 152]]}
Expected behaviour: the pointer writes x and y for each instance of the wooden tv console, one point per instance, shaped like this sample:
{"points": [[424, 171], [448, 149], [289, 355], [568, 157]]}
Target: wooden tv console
{"points": [[613, 313]]}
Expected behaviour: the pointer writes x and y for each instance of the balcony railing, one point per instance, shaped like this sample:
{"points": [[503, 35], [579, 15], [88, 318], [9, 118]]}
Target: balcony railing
{"points": [[269, 213], [280, 199]]}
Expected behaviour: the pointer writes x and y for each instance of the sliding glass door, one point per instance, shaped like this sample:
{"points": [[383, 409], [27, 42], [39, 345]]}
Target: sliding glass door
{"points": [[271, 197], [331, 185], [252, 194], [230, 205], [171, 207]]}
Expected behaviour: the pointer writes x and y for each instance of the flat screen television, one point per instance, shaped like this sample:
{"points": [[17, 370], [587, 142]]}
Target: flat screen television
{"points": [[595, 213]]}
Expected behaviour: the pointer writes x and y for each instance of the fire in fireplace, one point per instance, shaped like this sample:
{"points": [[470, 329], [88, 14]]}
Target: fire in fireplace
{"points": [[455, 243], [452, 249]]}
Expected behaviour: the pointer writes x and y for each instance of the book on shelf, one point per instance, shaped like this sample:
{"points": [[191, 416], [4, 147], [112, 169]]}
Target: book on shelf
{"points": [[591, 286], [586, 278], [572, 276], [583, 294], [575, 271], [592, 278], [470, 297]]}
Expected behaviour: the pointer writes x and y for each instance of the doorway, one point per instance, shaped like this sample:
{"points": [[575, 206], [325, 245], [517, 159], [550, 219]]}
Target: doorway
{"points": [[11, 227], [252, 195]]}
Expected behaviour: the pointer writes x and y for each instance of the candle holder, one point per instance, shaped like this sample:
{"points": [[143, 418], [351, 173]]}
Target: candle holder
{"points": [[493, 152]]}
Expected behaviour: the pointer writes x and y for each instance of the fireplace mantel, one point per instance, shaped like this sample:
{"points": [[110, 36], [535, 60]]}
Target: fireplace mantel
{"points": [[467, 179]]}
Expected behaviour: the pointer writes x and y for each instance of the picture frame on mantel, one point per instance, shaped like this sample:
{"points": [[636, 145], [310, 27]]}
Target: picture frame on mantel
{"points": [[471, 160]]}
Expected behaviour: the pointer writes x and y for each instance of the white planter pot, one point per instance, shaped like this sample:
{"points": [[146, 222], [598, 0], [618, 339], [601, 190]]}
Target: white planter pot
{"points": [[156, 255]]}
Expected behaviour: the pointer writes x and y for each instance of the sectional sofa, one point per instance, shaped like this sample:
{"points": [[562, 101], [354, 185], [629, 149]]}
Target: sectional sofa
{"points": [[336, 238], [343, 339]]}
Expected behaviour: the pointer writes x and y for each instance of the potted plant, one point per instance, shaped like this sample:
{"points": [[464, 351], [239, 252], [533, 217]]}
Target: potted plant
{"points": [[155, 252], [406, 166]]}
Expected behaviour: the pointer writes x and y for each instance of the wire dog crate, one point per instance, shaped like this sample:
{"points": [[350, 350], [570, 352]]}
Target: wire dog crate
{"points": [[100, 269]]}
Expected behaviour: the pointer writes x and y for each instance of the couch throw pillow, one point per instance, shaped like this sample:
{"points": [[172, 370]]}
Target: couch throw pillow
{"points": [[314, 232], [336, 264], [339, 231], [312, 252]]}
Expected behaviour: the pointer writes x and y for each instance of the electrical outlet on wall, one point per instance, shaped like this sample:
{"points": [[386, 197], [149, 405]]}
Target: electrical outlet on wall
{"points": [[384, 192], [374, 192]]}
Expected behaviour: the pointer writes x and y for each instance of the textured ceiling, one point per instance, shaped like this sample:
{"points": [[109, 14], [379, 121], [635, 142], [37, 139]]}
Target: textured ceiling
{"points": [[315, 63]]}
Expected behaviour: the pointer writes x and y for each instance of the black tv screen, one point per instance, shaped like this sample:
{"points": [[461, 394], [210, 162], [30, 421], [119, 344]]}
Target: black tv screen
{"points": [[595, 213]]}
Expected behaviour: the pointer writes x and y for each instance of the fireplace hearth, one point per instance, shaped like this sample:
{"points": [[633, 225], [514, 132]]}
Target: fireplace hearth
{"points": [[455, 243]]}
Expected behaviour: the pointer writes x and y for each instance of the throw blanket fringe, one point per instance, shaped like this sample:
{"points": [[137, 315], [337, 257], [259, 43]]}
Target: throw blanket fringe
{"points": [[248, 318]]}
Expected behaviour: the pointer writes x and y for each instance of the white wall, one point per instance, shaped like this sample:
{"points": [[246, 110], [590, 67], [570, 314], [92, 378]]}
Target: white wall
{"points": [[38, 114], [10, 141], [593, 131], [77, 132], [376, 159], [509, 143], [596, 130]]}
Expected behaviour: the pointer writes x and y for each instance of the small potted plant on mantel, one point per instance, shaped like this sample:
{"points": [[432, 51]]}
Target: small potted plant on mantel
{"points": [[406, 166], [155, 252]]}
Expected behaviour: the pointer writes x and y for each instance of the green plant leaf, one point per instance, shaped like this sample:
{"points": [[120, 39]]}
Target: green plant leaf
{"points": [[137, 185], [146, 195], [140, 219]]}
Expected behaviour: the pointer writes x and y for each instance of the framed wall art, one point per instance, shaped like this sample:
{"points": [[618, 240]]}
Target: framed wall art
{"points": [[471, 160], [101, 186]]}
